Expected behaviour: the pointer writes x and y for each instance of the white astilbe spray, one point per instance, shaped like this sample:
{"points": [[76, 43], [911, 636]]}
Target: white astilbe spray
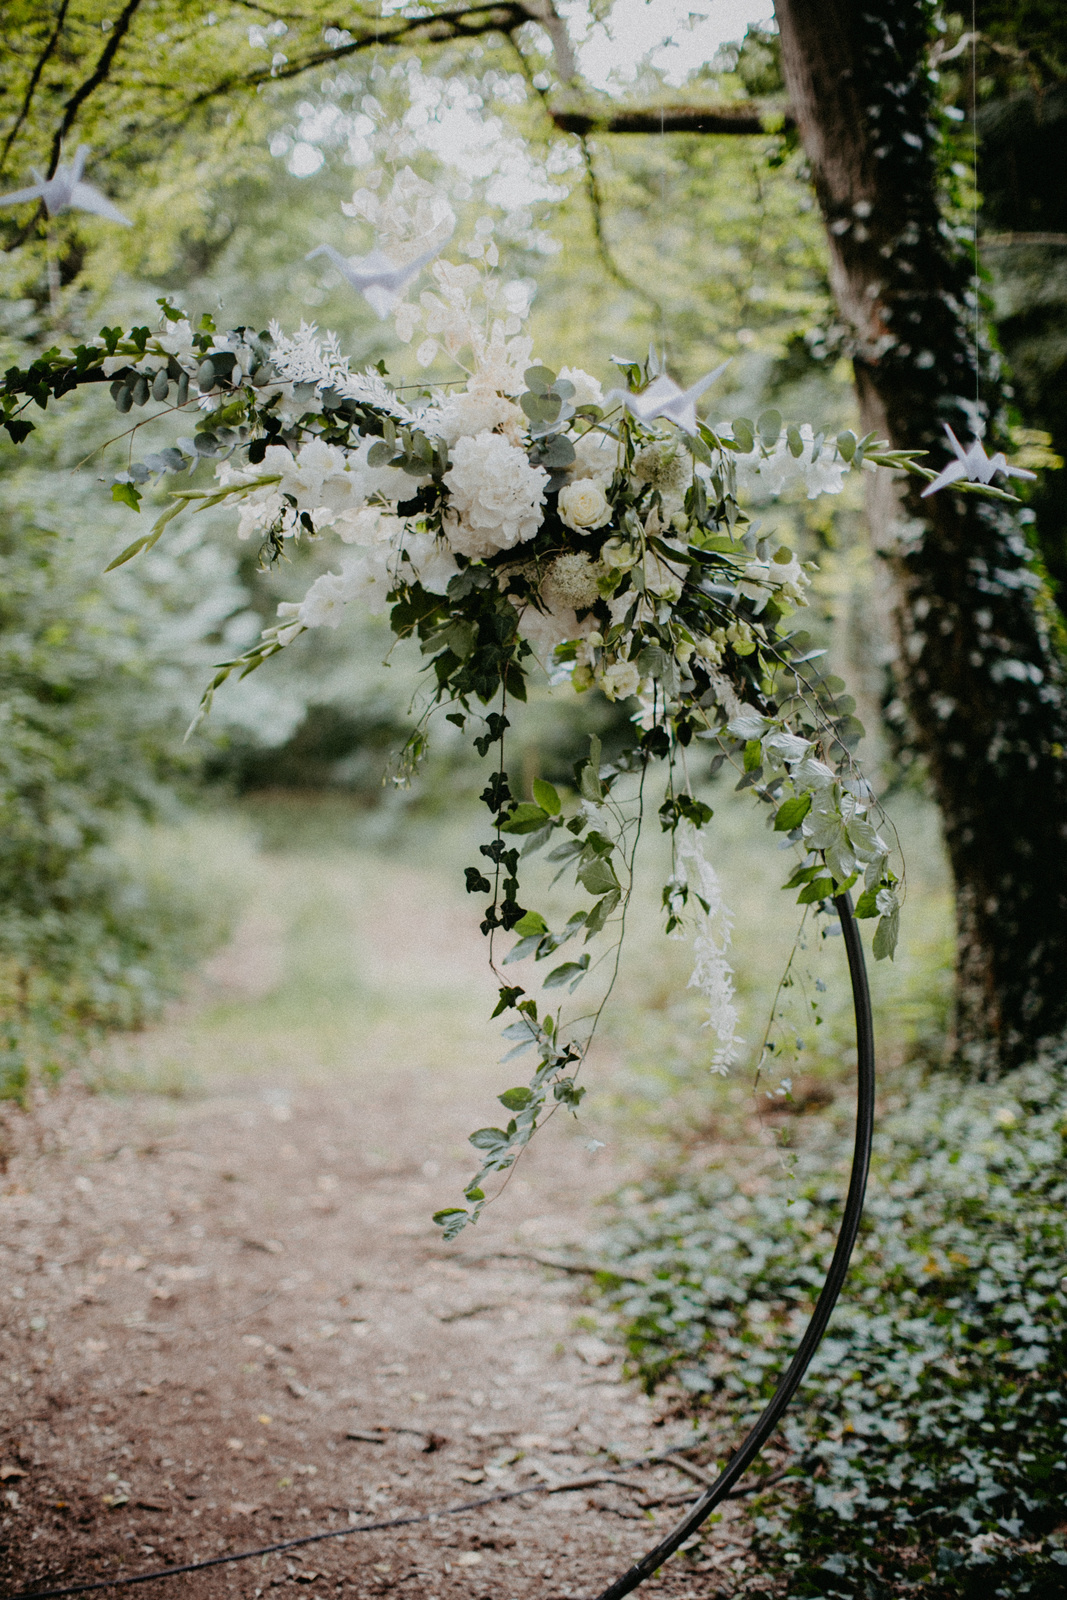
{"points": [[712, 973]]}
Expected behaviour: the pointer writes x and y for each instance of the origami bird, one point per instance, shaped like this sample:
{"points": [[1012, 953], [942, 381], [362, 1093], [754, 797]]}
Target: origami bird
{"points": [[664, 398], [379, 280], [974, 465], [66, 192]]}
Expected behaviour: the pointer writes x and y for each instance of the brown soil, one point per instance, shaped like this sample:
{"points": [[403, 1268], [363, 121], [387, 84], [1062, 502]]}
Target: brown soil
{"points": [[205, 1304]]}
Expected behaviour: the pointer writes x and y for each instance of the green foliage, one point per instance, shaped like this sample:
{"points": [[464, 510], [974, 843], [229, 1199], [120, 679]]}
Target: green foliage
{"points": [[928, 1445]]}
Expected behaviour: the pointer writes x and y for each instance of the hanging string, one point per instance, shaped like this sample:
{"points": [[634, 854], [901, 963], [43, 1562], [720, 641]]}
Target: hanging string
{"points": [[663, 228], [974, 219]]}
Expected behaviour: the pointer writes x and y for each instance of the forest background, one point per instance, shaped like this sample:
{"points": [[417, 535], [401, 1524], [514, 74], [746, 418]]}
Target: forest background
{"points": [[117, 839]]}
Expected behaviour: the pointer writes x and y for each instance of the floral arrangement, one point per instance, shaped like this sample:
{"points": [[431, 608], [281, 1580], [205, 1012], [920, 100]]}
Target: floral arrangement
{"points": [[520, 518]]}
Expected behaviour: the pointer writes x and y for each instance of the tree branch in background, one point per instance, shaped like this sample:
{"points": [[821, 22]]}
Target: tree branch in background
{"points": [[96, 78], [35, 78], [742, 116], [544, 12]]}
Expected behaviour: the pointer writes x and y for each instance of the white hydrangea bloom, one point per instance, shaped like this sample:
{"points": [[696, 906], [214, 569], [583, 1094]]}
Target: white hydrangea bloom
{"points": [[477, 410], [712, 974], [587, 389], [497, 497]]}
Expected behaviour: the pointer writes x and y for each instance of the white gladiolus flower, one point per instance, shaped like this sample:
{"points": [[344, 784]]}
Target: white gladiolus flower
{"points": [[370, 525], [431, 561], [324, 604], [497, 496], [620, 680], [546, 629], [583, 505], [367, 577]]}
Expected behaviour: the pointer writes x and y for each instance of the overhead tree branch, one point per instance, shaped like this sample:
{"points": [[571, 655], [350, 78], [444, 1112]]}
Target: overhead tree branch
{"points": [[544, 12], [35, 78], [741, 116], [464, 22], [93, 81]]}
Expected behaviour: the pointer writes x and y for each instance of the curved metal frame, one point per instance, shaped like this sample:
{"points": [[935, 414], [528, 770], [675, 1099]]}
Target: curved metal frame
{"points": [[747, 1452]]}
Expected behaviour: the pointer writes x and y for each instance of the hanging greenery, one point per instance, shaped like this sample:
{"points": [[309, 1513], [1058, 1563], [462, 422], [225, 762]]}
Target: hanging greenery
{"points": [[520, 518]]}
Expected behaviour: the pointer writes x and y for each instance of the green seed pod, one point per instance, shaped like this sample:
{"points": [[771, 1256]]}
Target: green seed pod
{"points": [[183, 388], [140, 390], [160, 385], [124, 399], [206, 375], [117, 387]]}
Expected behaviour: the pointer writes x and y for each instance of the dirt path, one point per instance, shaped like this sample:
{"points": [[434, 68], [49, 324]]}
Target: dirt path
{"points": [[228, 1320]]}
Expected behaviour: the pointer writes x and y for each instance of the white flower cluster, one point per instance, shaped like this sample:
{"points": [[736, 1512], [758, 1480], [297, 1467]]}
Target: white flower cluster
{"points": [[331, 485], [472, 315], [764, 476], [407, 223]]}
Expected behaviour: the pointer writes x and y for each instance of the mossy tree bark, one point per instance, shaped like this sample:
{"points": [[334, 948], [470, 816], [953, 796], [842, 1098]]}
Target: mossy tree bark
{"points": [[977, 671]]}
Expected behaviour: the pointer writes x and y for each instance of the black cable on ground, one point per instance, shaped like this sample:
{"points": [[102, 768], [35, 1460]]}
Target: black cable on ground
{"points": [[831, 1289], [586, 1481]]}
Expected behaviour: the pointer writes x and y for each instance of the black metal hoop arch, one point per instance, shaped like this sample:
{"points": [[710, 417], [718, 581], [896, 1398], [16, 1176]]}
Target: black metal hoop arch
{"points": [[747, 1452]]}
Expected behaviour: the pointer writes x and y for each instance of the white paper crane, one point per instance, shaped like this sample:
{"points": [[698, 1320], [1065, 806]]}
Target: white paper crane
{"points": [[379, 280], [66, 192], [974, 465], [664, 398]]}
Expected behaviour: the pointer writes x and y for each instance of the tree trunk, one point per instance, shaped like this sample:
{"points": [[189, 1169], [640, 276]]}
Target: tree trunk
{"points": [[982, 685]]}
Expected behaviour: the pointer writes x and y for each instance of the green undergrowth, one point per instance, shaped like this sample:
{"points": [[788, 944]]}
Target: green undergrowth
{"points": [[143, 909], [929, 1441]]}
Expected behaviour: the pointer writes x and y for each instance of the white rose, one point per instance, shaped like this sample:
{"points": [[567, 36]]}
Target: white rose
{"points": [[497, 497], [583, 505], [620, 680]]}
